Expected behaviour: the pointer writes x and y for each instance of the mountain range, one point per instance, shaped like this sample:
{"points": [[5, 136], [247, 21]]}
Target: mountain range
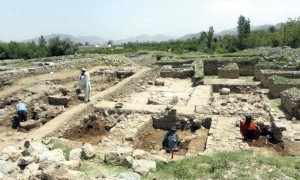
{"points": [[92, 40]]}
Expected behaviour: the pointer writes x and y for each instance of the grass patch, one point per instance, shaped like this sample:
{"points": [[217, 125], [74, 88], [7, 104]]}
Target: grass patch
{"points": [[92, 168], [234, 165], [57, 145], [199, 71]]}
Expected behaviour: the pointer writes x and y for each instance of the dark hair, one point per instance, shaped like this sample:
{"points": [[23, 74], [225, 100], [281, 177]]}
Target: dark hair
{"points": [[248, 119]]}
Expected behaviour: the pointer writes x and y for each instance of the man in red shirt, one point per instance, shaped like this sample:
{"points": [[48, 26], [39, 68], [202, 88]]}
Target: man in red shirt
{"points": [[249, 130]]}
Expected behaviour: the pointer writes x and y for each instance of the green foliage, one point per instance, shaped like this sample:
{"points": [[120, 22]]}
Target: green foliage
{"points": [[58, 145], [55, 47], [243, 29], [210, 36], [217, 165]]}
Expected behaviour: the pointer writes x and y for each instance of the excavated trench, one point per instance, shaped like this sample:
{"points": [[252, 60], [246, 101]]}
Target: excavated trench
{"points": [[41, 109]]}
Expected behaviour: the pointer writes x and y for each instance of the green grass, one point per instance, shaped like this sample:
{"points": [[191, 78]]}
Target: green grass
{"points": [[57, 145], [242, 165], [91, 168], [282, 80], [199, 71]]}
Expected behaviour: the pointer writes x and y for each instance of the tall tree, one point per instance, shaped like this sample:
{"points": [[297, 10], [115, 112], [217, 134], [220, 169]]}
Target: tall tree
{"points": [[42, 42], [210, 35], [243, 30]]}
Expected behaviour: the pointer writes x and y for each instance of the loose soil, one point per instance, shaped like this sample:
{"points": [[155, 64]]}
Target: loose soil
{"points": [[153, 141], [263, 142]]}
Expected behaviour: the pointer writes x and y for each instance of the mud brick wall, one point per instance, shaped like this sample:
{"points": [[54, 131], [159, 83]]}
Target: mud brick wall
{"points": [[291, 102], [166, 122], [228, 73], [246, 67], [177, 73], [265, 74], [271, 66], [276, 88]]}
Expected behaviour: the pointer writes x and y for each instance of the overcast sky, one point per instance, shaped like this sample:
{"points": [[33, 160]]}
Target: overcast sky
{"points": [[120, 19]]}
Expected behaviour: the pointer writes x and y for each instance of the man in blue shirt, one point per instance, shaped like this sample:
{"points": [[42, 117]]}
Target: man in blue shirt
{"points": [[21, 111]]}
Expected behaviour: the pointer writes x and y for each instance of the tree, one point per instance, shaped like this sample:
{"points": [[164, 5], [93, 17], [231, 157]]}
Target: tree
{"points": [[110, 42], [243, 30], [291, 33], [42, 42], [210, 35]]}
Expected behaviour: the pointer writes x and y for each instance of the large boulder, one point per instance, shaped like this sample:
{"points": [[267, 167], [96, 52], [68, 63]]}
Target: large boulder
{"points": [[10, 153], [7, 167], [116, 157], [56, 155], [139, 154], [24, 161], [72, 164], [30, 124], [143, 167], [127, 175], [88, 151], [32, 170], [75, 154], [35, 147]]}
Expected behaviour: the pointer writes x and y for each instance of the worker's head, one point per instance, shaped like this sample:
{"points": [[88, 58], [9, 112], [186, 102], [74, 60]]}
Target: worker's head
{"points": [[248, 118], [173, 128], [83, 69]]}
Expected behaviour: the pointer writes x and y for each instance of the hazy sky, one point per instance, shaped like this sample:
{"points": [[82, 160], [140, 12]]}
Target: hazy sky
{"points": [[120, 19]]}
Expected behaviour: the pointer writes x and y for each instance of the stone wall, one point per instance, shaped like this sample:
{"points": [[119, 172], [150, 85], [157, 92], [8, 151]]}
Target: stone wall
{"points": [[166, 121], [246, 66], [270, 65], [290, 101], [230, 71], [266, 73], [278, 84], [181, 73]]}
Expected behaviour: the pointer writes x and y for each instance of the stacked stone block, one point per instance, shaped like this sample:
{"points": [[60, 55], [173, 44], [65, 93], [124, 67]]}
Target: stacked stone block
{"points": [[229, 71], [290, 101], [266, 73], [278, 84]]}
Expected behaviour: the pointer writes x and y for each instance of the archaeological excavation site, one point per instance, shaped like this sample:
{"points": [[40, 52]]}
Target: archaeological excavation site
{"points": [[135, 100]]}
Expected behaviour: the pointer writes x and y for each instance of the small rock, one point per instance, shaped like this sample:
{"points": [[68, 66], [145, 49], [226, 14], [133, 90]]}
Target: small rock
{"points": [[224, 91]]}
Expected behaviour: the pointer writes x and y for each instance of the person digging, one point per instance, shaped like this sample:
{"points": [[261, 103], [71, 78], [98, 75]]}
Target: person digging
{"points": [[171, 141], [249, 129]]}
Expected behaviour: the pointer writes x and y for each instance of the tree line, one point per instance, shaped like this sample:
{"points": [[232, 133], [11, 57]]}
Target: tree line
{"points": [[288, 34], [29, 50]]}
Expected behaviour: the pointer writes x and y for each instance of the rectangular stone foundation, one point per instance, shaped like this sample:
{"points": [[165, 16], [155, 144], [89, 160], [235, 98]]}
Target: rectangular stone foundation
{"points": [[265, 74], [290, 101], [278, 84]]}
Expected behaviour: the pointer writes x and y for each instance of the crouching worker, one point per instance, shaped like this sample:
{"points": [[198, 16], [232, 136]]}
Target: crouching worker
{"points": [[21, 109], [249, 130], [171, 140]]}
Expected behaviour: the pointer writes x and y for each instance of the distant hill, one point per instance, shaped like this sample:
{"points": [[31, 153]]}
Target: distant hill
{"points": [[2, 41], [82, 39], [232, 31], [146, 38]]}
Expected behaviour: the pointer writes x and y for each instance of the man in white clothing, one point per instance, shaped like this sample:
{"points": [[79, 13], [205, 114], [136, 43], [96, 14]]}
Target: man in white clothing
{"points": [[85, 84]]}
